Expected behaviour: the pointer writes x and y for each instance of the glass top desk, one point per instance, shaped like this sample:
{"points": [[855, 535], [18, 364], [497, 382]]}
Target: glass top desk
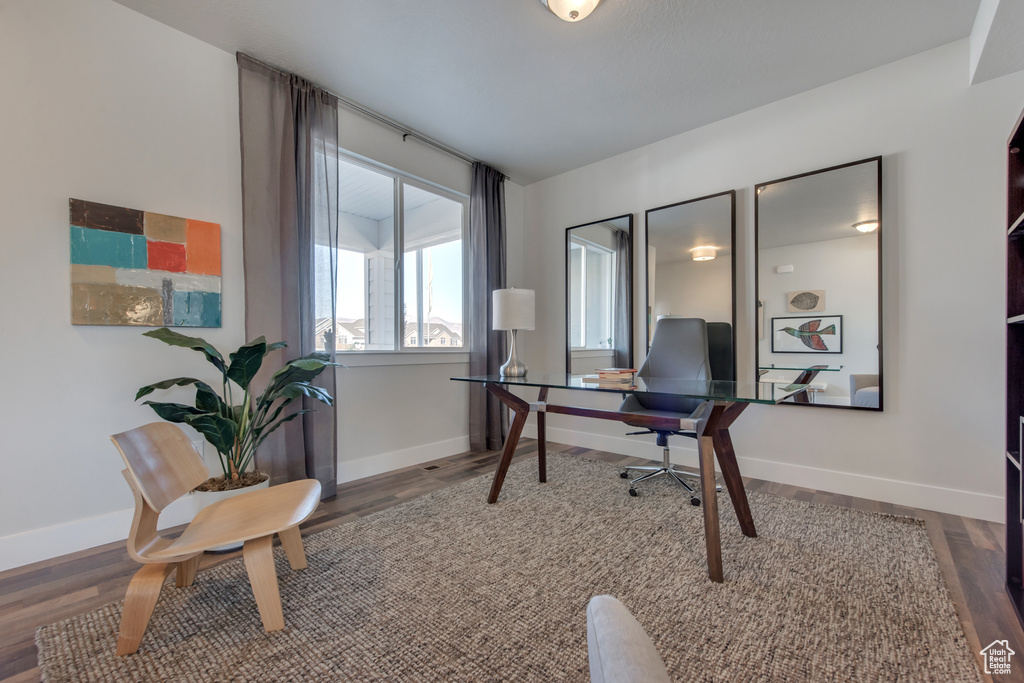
{"points": [[723, 403], [806, 376]]}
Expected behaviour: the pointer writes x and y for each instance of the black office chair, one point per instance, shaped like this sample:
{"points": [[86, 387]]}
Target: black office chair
{"points": [[681, 348]]}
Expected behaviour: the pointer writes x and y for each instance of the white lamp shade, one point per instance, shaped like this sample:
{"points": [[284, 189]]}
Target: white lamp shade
{"points": [[513, 309], [704, 253], [571, 10]]}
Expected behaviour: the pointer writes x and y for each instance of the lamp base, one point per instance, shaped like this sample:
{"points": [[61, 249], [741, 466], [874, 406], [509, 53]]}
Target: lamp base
{"points": [[513, 367]]}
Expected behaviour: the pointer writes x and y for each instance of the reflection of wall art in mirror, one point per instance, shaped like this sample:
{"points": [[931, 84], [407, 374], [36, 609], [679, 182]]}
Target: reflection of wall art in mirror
{"points": [[814, 334], [809, 240], [690, 260], [805, 301]]}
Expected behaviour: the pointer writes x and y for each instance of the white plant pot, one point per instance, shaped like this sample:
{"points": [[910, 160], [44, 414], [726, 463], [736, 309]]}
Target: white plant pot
{"points": [[204, 499]]}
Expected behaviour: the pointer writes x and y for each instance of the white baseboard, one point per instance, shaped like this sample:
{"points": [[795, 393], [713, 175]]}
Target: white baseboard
{"points": [[963, 503], [350, 470], [36, 545]]}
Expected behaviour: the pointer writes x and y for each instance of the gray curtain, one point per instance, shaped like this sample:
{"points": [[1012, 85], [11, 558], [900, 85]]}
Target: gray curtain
{"points": [[622, 332], [289, 140], [488, 419]]}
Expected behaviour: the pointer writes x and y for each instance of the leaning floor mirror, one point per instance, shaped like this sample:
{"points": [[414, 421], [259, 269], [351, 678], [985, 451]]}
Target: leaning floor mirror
{"points": [[599, 295], [819, 306], [691, 266]]}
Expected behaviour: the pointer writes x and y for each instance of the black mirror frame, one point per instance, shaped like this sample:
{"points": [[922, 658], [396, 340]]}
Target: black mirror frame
{"points": [[732, 249], [568, 231], [879, 232]]}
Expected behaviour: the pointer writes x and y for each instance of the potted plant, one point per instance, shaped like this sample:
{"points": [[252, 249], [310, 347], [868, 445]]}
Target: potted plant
{"points": [[236, 421]]}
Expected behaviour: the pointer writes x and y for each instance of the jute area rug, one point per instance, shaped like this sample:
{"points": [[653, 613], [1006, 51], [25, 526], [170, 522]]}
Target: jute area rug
{"points": [[448, 588]]}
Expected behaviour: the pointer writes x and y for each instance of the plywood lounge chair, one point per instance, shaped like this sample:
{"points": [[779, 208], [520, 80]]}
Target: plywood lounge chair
{"points": [[162, 467]]}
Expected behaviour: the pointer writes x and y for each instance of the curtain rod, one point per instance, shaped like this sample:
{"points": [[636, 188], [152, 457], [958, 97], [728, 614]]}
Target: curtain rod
{"points": [[404, 130]]}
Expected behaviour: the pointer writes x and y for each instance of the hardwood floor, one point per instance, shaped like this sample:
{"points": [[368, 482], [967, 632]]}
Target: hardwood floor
{"points": [[970, 554]]}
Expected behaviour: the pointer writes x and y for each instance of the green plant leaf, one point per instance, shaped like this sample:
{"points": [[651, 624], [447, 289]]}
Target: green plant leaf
{"points": [[288, 418], [246, 362], [296, 389], [276, 345], [208, 400], [166, 384], [298, 370], [174, 412], [172, 338], [258, 429], [218, 430]]}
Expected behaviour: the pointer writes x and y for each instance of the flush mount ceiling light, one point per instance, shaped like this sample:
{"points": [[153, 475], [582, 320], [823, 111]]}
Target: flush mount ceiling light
{"points": [[704, 253], [866, 226], [571, 10]]}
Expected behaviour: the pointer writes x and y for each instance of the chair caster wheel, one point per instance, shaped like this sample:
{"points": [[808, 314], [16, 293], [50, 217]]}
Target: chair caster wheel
{"points": [[633, 493], [624, 475], [695, 502]]}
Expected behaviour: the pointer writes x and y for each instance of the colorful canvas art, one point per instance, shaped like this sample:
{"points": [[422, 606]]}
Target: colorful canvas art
{"points": [[131, 267]]}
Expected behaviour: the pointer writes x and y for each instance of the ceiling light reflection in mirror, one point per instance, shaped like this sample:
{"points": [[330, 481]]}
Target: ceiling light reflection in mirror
{"points": [[690, 260]]}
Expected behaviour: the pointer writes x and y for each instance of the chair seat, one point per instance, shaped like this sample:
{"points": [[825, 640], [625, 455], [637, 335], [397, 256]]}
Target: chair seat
{"points": [[244, 517], [632, 405]]}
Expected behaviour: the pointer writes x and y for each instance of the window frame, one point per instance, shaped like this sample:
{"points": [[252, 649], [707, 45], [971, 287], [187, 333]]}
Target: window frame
{"points": [[402, 354], [585, 245]]}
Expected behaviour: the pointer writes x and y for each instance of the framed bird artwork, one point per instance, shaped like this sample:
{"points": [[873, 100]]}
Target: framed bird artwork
{"points": [[808, 334]]}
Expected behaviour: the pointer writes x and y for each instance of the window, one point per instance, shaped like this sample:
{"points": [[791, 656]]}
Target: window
{"points": [[386, 303], [592, 269]]}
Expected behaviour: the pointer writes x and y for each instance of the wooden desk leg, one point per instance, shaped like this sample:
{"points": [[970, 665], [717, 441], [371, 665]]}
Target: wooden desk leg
{"points": [[712, 535], [542, 440], [521, 410], [730, 468]]}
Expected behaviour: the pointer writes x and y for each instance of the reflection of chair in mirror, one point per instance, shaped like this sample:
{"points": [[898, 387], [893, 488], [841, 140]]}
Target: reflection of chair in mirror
{"points": [[681, 348], [864, 391], [162, 467]]}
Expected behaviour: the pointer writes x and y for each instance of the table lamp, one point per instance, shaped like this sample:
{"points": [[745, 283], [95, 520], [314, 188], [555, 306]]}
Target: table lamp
{"points": [[513, 310]]}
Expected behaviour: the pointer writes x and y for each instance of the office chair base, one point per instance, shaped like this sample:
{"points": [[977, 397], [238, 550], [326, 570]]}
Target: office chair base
{"points": [[665, 468], [656, 472]]}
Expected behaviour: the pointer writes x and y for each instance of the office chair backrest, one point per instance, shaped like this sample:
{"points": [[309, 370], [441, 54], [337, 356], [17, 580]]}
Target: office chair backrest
{"points": [[679, 349], [162, 461], [720, 353]]}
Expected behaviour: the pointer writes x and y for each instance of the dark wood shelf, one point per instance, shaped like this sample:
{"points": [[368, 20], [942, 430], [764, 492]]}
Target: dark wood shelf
{"points": [[1017, 227], [1014, 364]]}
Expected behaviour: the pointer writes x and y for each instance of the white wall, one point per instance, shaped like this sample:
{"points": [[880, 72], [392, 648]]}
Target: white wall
{"points": [[696, 289], [99, 104], [938, 444], [104, 104]]}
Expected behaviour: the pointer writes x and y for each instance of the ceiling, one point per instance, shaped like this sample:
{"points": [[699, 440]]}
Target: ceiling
{"points": [[817, 207], [506, 82], [369, 194], [674, 230]]}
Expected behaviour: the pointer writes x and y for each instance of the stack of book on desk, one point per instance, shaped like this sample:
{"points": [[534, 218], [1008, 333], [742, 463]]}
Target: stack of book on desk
{"points": [[612, 378]]}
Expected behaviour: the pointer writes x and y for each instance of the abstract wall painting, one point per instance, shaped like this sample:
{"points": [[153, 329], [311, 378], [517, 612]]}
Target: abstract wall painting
{"points": [[808, 334], [805, 301], [131, 267]]}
